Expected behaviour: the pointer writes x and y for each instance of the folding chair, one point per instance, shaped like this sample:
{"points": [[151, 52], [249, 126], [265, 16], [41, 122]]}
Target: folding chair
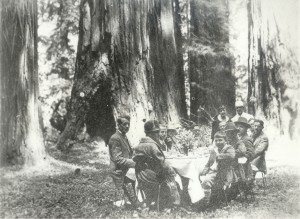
{"points": [[263, 176], [146, 191], [220, 193], [244, 184]]}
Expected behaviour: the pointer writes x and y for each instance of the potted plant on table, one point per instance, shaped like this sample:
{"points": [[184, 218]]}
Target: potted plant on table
{"points": [[185, 139]]}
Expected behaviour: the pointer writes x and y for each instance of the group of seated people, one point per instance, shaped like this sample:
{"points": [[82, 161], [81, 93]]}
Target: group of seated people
{"points": [[238, 145]]}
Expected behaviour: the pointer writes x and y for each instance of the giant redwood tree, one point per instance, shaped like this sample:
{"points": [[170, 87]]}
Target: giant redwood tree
{"points": [[273, 68], [21, 140], [128, 61]]}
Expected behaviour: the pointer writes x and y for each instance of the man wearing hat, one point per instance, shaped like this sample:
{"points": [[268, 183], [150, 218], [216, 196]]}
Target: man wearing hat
{"points": [[151, 168], [240, 148], [242, 125], [219, 118], [239, 106]]}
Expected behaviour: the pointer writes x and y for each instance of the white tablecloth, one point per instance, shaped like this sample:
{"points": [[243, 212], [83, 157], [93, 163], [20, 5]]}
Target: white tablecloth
{"points": [[190, 167]]}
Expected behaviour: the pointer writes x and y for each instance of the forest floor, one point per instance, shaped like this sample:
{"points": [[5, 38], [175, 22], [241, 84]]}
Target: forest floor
{"points": [[80, 187]]}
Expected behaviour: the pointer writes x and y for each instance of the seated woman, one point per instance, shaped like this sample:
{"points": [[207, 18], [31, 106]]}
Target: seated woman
{"points": [[151, 169], [219, 169]]}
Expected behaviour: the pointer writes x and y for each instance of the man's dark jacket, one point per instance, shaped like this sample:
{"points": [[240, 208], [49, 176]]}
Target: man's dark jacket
{"points": [[120, 153]]}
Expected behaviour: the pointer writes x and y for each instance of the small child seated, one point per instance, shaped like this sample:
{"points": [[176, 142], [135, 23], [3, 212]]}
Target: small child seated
{"points": [[219, 169]]}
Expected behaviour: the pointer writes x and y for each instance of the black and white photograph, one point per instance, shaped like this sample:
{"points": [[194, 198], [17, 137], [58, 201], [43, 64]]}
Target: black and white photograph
{"points": [[149, 109]]}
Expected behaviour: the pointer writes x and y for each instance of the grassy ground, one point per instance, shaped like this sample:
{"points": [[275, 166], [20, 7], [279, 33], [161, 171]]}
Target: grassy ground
{"points": [[85, 190]]}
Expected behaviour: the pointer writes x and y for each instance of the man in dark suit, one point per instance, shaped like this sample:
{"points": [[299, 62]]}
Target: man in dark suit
{"points": [[242, 125], [120, 153], [151, 168], [261, 144]]}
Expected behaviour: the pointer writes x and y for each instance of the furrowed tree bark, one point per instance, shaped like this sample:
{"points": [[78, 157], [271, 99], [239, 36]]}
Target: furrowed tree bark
{"points": [[272, 65], [129, 61], [20, 133]]}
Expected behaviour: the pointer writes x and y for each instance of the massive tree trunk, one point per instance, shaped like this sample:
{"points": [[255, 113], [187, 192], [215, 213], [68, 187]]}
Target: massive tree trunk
{"points": [[212, 82], [129, 61], [272, 64], [20, 133]]}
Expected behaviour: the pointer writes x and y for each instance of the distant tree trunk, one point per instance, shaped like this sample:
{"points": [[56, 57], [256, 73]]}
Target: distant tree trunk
{"points": [[20, 133], [129, 61], [265, 82], [238, 39], [212, 82]]}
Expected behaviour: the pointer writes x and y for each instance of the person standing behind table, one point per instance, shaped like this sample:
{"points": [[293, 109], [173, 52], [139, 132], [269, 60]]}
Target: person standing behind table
{"points": [[221, 117], [219, 168], [120, 153], [162, 137], [197, 141], [239, 106], [151, 168], [243, 126], [171, 141], [250, 130], [222, 126], [261, 144]]}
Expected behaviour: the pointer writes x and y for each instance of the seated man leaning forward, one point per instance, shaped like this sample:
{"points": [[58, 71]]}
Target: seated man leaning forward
{"points": [[242, 125], [151, 169], [218, 171], [120, 153]]}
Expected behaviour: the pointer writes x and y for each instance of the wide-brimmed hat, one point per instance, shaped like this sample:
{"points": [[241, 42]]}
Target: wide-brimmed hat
{"points": [[230, 126], [151, 126], [243, 121]]}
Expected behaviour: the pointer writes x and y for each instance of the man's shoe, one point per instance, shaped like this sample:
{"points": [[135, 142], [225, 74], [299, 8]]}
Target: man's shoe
{"points": [[119, 203]]}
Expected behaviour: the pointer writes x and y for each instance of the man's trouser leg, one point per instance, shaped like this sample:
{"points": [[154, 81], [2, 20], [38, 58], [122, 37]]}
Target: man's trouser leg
{"points": [[207, 183]]}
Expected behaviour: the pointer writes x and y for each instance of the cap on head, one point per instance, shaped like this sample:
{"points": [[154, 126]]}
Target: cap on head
{"points": [[230, 127], [260, 122], [239, 103], [220, 135], [151, 126], [243, 121], [196, 127]]}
